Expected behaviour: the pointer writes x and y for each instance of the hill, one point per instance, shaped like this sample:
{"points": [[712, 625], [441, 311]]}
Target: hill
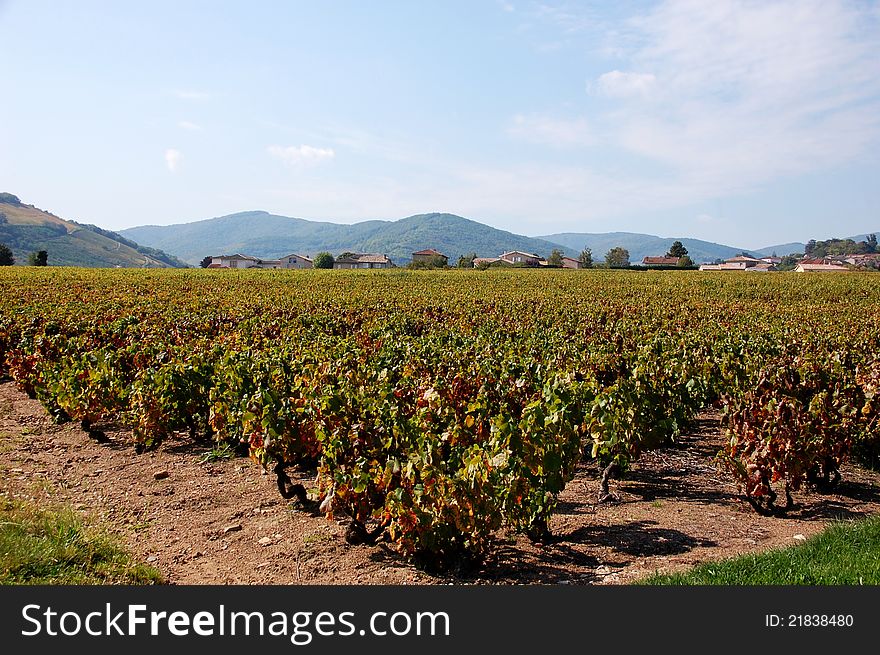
{"points": [[782, 249], [267, 235], [26, 229], [798, 247], [641, 245]]}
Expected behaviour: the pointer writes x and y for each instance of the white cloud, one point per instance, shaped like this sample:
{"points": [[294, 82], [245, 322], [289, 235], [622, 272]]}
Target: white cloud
{"points": [[619, 84], [745, 93], [301, 156], [187, 125], [559, 133], [172, 159]]}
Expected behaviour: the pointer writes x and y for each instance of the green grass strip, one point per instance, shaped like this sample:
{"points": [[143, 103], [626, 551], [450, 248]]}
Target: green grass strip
{"points": [[846, 553], [54, 546]]}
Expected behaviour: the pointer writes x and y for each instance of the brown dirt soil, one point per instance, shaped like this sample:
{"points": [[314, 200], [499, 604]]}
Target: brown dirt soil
{"points": [[215, 522]]}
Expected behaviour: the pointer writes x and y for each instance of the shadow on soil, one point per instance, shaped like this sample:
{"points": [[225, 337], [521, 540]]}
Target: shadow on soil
{"points": [[637, 538]]}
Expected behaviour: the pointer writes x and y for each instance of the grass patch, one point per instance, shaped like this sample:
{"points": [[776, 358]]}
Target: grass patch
{"points": [[218, 453], [846, 553], [54, 546]]}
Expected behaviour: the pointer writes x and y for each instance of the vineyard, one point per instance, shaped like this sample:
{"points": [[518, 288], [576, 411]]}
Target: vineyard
{"points": [[438, 410]]}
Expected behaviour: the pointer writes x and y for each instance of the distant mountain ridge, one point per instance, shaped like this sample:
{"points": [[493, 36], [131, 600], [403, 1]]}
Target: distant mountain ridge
{"points": [[26, 229], [268, 236]]}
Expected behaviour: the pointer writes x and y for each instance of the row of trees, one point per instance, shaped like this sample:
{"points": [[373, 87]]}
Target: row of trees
{"points": [[815, 248], [38, 258]]}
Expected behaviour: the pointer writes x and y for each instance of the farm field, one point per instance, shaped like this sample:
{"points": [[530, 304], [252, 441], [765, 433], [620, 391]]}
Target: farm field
{"points": [[498, 426]]}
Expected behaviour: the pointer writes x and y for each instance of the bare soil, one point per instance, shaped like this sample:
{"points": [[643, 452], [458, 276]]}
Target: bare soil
{"points": [[223, 521]]}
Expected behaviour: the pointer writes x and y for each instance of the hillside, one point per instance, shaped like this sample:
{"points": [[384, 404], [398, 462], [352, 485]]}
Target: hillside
{"points": [[641, 245], [267, 235], [782, 249], [798, 247], [26, 229]]}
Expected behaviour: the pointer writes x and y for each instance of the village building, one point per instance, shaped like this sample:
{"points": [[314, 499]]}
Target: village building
{"points": [[296, 261], [660, 261], [744, 263], [808, 267], [519, 257], [233, 261], [362, 260], [571, 262], [429, 256]]}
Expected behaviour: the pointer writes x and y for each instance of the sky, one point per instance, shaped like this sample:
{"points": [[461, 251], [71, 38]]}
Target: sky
{"points": [[745, 123]]}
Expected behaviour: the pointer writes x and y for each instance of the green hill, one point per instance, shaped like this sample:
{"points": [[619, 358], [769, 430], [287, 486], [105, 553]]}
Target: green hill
{"points": [[261, 234], [642, 245], [26, 229]]}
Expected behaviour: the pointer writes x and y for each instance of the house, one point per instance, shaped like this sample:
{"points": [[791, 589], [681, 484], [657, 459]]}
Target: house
{"points": [[743, 259], [233, 261], [772, 260], [571, 262], [743, 263], [267, 263], [296, 261], [429, 256], [519, 257], [863, 260], [726, 266], [808, 267], [660, 261], [243, 261], [485, 260], [362, 260]]}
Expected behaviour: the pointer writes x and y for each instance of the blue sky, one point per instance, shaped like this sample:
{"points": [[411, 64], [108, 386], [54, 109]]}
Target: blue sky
{"points": [[748, 123]]}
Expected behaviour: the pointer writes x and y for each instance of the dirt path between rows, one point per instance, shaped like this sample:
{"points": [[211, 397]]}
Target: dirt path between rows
{"points": [[224, 521]]}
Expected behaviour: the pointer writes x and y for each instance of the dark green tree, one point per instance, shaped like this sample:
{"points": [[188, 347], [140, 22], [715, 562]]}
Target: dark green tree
{"points": [[323, 260], [685, 261], [6, 257], [467, 261], [586, 258], [39, 258], [872, 242], [617, 258], [555, 258], [206, 261], [677, 249]]}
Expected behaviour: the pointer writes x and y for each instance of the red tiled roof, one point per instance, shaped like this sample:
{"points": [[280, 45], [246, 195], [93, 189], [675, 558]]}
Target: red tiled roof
{"points": [[429, 251], [667, 261]]}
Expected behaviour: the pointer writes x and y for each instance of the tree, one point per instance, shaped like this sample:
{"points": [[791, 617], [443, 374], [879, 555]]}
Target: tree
{"points": [[39, 258], [467, 261], [323, 260], [677, 250], [617, 258], [431, 263], [6, 257], [872, 242], [555, 259], [685, 262], [789, 262], [810, 247], [206, 261], [586, 258]]}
